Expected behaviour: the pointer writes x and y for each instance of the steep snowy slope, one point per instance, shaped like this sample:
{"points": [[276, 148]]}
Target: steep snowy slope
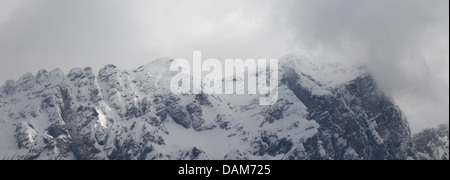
{"points": [[323, 112]]}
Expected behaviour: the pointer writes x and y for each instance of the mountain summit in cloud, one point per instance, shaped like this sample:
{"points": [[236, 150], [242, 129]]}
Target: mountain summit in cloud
{"points": [[327, 111]]}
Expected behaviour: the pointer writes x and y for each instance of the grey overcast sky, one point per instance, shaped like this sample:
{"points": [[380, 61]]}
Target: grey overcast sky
{"points": [[404, 42]]}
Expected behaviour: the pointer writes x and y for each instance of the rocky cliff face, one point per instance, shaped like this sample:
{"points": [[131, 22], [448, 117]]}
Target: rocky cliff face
{"points": [[357, 121], [432, 144], [323, 112]]}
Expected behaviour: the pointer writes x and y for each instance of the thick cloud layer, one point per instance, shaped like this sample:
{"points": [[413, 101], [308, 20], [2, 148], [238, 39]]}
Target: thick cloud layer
{"points": [[52, 33], [404, 42]]}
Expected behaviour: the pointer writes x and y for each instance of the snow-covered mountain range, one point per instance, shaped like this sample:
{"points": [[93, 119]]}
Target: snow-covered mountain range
{"points": [[324, 111]]}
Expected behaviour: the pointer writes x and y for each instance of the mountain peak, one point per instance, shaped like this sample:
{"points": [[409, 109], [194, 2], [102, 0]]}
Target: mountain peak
{"points": [[318, 76], [329, 73], [158, 65]]}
